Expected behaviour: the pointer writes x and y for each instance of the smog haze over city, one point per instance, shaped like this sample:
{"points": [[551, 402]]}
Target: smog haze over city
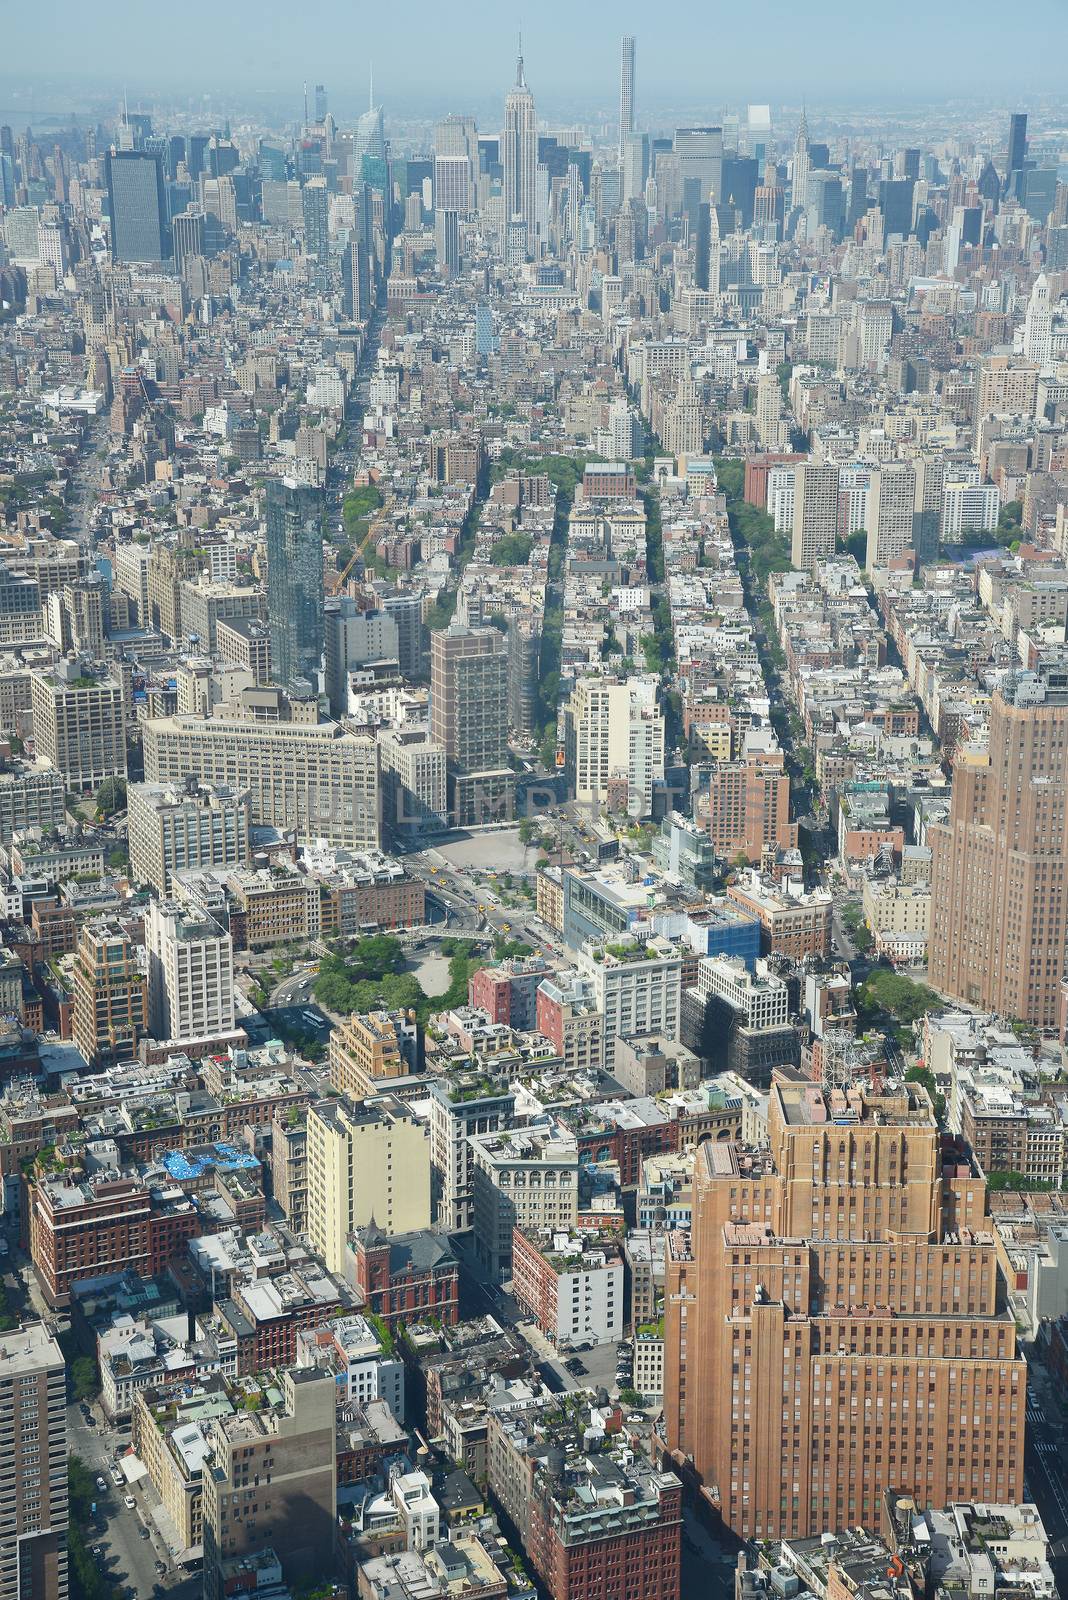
{"points": [[533, 802]]}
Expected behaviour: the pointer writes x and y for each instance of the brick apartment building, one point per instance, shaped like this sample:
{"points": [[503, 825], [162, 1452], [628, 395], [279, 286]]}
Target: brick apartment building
{"points": [[81, 1230], [406, 1277]]}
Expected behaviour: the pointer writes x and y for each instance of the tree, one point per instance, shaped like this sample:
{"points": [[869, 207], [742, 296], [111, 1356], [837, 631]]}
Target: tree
{"points": [[85, 1380], [527, 827], [857, 546], [900, 996], [927, 1078], [111, 796], [513, 550]]}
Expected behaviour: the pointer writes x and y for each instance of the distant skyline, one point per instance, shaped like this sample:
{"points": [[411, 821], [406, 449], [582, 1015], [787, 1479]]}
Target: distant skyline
{"points": [[456, 55]]}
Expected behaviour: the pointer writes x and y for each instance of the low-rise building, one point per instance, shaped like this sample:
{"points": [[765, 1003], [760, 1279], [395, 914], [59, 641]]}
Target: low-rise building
{"points": [[571, 1283], [593, 1525], [526, 1178], [794, 921], [356, 1354]]}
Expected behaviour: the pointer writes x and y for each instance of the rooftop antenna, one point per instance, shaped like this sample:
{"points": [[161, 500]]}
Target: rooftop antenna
{"points": [[125, 107], [520, 83], [305, 102], [371, 88]]}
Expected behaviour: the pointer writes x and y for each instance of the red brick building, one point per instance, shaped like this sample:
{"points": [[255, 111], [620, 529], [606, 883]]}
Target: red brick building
{"points": [[756, 476], [83, 1229], [621, 1136], [266, 1314], [594, 1527], [407, 1276]]}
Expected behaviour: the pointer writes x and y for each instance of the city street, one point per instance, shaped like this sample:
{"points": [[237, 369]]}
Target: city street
{"points": [[129, 1558]]}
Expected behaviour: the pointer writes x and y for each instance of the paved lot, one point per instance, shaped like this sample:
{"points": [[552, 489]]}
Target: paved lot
{"points": [[497, 850]]}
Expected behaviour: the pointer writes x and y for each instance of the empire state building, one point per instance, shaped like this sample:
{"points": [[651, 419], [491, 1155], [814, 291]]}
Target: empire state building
{"points": [[520, 155]]}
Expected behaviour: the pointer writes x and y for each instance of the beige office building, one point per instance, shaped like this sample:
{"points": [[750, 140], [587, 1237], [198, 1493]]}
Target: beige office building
{"points": [[78, 723], [615, 743], [311, 778], [815, 513], [172, 826], [366, 1159]]}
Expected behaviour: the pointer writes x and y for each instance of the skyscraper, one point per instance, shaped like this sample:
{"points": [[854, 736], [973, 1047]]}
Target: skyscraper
{"points": [[447, 241], [835, 1320], [137, 206], [369, 138], [295, 579], [800, 169], [469, 715], [33, 1475], [519, 154], [1016, 154], [356, 281], [891, 512], [315, 208], [190, 974], [700, 157], [626, 92], [455, 164], [999, 902], [927, 511], [188, 232]]}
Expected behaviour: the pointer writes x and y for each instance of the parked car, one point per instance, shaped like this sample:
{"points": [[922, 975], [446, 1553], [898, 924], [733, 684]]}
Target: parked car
{"points": [[129, 1502], [101, 1483], [142, 1531]]}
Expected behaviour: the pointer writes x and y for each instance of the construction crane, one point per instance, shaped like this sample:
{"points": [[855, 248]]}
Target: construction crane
{"points": [[381, 515]]}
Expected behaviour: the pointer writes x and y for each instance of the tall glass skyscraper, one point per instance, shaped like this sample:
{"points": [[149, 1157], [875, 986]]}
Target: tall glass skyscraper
{"points": [[294, 579], [137, 204]]}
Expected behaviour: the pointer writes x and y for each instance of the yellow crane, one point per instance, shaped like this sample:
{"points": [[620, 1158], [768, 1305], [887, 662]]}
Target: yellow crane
{"points": [[381, 515]]}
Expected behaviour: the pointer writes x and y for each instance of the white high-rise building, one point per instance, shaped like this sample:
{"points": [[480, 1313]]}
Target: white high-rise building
{"points": [[626, 91], [969, 506], [519, 155], [637, 988], [190, 974], [617, 736], [173, 826], [715, 250], [453, 186], [781, 498], [1038, 323]]}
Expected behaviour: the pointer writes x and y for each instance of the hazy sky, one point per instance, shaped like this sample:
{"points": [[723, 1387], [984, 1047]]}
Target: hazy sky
{"points": [[459, 50]]}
